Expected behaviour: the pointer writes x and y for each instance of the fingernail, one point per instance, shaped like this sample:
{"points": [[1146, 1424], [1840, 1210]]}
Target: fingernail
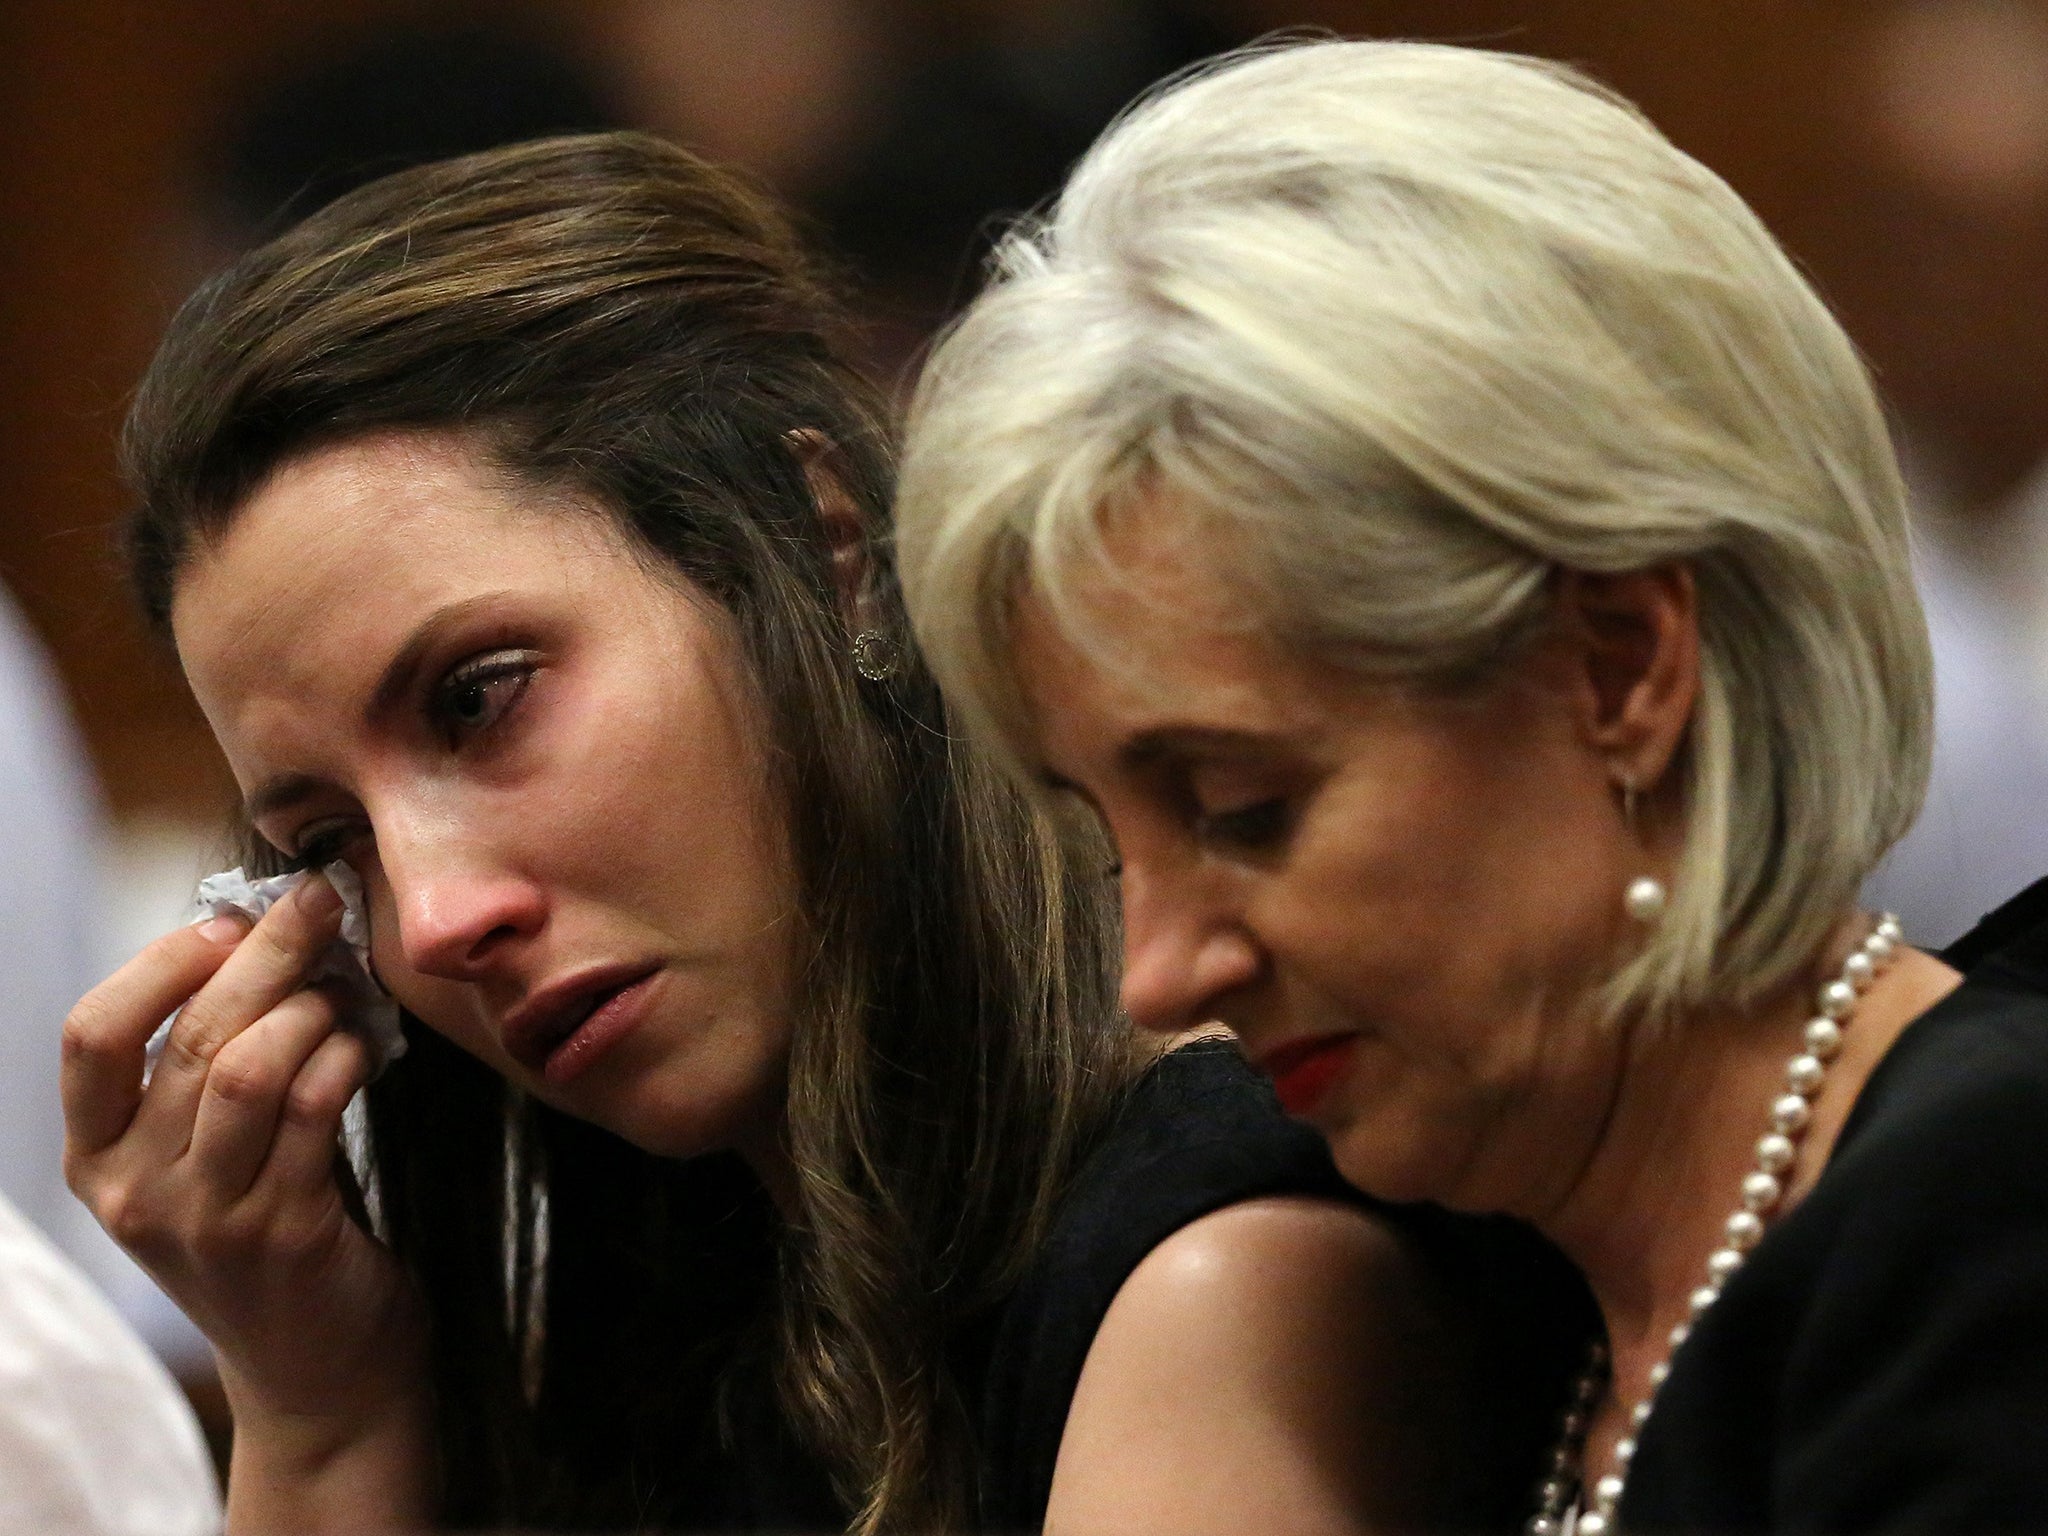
{"points": [[318, 899], [228, 928]]}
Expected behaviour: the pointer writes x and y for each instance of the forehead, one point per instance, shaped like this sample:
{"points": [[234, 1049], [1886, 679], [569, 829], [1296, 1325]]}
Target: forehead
{"points": [[331, 562], [1147, 628], [380, 520], [1159, 657]]}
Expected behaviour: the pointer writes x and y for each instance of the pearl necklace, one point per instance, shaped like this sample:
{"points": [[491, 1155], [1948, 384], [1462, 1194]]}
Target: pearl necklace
{"points": [[1561, 1491]]}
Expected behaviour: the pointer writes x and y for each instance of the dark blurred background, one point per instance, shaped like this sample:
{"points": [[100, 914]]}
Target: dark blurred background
{"points": [[1899, 147]]}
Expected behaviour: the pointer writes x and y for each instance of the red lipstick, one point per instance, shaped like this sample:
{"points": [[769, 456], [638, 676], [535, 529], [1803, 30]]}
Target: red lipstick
{"points": [[1303, 1072]]}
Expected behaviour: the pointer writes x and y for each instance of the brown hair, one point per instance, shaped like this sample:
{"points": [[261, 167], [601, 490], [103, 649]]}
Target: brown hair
{"points": [[611, 314]]}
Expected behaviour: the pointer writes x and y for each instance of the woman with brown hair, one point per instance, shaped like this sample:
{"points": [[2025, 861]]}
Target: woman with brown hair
{"points": [[769, 1151]]}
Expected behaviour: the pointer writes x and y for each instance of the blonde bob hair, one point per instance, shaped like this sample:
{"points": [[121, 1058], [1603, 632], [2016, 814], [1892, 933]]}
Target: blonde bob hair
{"points": [[1410, 329]]}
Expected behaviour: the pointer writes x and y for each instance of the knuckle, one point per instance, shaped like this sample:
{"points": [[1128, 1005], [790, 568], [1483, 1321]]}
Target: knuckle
{"points": [[311, 1011], [106, 1018], [231, 1239], [296, 1240], [239, 1077], [324, 1000], [191, 1045], [84, 1175], [130, 1217], [91, 1028], [268, 1233], [314, 1105], [280, 939]]}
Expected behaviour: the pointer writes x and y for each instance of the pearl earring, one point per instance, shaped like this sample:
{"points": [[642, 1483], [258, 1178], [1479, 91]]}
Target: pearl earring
{"points": [[1645, 899]]}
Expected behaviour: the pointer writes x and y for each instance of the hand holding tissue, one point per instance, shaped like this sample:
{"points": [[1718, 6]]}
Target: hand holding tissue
{"points": [[369, 1012]]}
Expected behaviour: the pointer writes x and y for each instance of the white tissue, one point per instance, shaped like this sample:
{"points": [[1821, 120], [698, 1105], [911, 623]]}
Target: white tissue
{"points": [[367, 1010]]}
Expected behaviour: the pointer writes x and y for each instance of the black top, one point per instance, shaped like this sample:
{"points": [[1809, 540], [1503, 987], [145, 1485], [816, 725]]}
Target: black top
{"points": [[1198, 1132], [1881, 1361], [1196, 1135], [1202, 1131]]}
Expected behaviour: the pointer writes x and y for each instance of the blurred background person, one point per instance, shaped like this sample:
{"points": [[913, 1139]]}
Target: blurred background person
{"points": [[907, 130], [49, 851], [1952, 98], [95, 1439]]}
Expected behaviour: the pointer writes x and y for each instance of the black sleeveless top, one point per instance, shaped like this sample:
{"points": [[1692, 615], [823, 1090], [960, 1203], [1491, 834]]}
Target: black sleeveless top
{"points": [[1198, 1132]]}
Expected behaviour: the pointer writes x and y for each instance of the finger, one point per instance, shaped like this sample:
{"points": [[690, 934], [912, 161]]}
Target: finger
{"points": [[105, 1035], [302, 1153], [246, 1088], [266, 968]]}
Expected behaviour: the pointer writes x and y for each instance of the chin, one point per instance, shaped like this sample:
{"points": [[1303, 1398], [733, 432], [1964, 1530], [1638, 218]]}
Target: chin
{"points": [[677, 1124], [658, 1131], [1400, 1173]]}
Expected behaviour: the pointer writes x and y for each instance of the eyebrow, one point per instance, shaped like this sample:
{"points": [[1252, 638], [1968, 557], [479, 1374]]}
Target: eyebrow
{"points": [[289, 789], [1149, 748], [278, 794]]}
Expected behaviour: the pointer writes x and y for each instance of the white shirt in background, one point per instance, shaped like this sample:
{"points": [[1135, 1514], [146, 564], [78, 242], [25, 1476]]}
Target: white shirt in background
{"points": [[1984, 832], [95, 1437]]}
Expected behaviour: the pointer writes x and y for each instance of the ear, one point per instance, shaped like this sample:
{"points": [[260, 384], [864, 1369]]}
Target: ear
{"points": [[1635, 657], [824, 467]]}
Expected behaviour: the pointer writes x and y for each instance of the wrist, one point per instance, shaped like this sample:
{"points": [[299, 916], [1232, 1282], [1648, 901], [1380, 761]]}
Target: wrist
{"points": [[371, 1467]]}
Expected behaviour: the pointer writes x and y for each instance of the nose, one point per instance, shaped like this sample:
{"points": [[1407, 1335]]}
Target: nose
{"points": [[1185, 951], [459, 910]]}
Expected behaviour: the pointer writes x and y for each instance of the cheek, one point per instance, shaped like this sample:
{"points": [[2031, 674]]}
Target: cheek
{"points": [[1518, 840], [1544, 907], [1458, 903], [688, 809]]}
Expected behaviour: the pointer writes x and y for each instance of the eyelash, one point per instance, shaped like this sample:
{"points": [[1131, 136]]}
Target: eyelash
{"points": [[1257, 828], [320, 850], [477, 675]]}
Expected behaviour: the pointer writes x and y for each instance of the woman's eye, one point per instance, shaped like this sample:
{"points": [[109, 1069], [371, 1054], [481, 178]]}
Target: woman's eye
{"points": [[322, 846], [1256, 828], [476, 695]]}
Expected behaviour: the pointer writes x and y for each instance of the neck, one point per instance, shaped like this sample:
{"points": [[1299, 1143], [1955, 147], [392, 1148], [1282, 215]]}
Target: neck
{"points": [[767, 1154], [1647, 1206], [1687, 1106]]}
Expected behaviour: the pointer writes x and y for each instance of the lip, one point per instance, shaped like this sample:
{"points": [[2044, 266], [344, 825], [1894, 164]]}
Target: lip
{"points": [[581, 1010], [1303, 1071]]}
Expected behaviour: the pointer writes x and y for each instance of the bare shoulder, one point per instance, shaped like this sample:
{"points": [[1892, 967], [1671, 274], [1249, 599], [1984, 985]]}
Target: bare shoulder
{"points": [[1267, 1366], [1245, 1274]]}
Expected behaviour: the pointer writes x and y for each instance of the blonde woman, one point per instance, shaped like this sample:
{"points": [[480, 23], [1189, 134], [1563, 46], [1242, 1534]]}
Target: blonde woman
{"points": [[1435, 529]]}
